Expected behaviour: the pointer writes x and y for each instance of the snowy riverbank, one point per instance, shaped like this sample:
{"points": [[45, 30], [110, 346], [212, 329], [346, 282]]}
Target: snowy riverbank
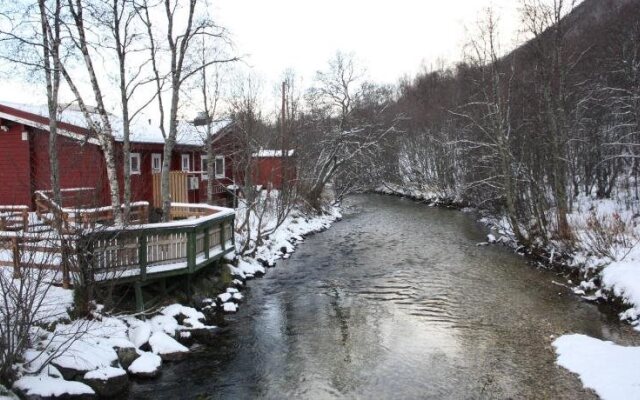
{"points": [[97, 356], [608, 270]]}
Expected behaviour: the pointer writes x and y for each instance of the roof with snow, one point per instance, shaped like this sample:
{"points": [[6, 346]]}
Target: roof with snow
{"points": [[272, 153], [141, 132]]}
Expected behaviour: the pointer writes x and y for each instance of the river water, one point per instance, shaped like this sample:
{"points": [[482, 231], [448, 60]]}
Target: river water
{"points": [[395, 301]]}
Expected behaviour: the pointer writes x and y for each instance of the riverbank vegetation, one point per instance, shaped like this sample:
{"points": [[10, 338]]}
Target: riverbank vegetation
{"points": [[543, 137]]}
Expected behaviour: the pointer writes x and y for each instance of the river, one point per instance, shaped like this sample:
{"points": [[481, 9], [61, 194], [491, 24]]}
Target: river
{"points": [[395, 301]]}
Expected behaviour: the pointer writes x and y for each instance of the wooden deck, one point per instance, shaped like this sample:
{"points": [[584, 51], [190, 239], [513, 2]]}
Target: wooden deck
{"points": [[154, 251], [86, 250]]}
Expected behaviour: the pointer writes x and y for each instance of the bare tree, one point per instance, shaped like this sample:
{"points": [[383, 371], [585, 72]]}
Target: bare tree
{"points": [[180, 30], [339, 138], [490, 115], [546, 23]]}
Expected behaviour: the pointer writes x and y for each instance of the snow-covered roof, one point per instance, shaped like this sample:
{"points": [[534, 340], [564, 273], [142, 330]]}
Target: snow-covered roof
{"points": [[141, 131], [272, 153]]}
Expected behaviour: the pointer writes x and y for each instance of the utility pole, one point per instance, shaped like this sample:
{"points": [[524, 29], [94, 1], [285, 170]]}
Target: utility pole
{"points": [[283, 112]]}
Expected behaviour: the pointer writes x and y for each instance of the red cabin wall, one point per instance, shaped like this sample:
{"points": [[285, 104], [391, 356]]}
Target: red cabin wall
{"points": [[15, 167], [269, 172], [25, 165], [81, 165]]}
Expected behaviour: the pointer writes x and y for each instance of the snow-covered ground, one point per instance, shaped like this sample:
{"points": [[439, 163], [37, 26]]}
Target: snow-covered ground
{"points": [[612, 371], [69, 357]]}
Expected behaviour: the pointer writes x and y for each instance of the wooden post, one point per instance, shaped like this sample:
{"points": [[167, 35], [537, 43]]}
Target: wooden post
{"points": [[222, 240], [142, 256], [144, 218], [191, 251], [189, 288], [206, 242], [64, 249], [139, 297], [163, 286], [16, 258], [25, 220], [233, 231]]}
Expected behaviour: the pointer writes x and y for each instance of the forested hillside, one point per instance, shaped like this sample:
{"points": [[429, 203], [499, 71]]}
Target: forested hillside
{"points": [[532, 133]]}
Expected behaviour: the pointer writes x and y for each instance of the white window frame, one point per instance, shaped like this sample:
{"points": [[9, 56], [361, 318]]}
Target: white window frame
{"points": [[215, 169], [154, 157], [136, 156], [187, 158], [204, 167]]}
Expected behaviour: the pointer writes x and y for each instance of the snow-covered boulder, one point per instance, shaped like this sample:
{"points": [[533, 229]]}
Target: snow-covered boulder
{"points": [[187, 316], [48, 387], [224, 297], [139, 335], [82, 356], [167, 347], [237, 297], [146, 366], [229, 307], [108, 381], [164, 323]]}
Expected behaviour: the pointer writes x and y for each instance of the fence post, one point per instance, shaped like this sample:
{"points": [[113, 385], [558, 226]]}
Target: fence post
{"points": [[16, 258], [142, 256], [139, 296], [206, 242], [232, 223], [65, 253], [222, 239], [25, 220], [191, 250]]}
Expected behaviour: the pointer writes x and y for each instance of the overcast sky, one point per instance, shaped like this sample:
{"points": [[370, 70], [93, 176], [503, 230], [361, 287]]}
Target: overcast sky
{"points": [[391, 38]]}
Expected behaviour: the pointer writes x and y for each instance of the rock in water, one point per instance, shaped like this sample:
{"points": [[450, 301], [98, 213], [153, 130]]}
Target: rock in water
{"points": [[107, 382], [167, 347], [146, 366]]}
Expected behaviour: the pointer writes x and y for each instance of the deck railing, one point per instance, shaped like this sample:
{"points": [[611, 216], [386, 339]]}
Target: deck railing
{"points": [[84, 218], [14, 218], [171, 248]]}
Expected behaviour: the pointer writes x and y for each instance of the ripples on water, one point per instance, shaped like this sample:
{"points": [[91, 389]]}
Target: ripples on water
{"points": [[396, 301]]}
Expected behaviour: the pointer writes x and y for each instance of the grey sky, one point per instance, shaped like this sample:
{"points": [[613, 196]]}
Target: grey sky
{"points": [[390, 37]]}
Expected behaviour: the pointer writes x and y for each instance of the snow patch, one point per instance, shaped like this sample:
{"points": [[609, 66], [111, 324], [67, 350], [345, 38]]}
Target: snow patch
{"points": [[607, 368]]}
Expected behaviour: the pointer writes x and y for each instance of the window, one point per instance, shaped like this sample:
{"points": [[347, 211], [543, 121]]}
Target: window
{"points": [[134, 159], [219, 167], [186, 162], [156, 163], [204, 167]]}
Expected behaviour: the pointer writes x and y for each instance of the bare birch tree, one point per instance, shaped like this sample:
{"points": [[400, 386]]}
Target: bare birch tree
{"points": [[176, 63]]}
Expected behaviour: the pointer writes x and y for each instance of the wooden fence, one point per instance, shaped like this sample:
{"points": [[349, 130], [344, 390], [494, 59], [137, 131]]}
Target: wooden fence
{"points": [[178, 187]]}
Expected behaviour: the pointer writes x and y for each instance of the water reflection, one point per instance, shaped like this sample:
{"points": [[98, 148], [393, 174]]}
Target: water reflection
{"points": [[396, 301]]}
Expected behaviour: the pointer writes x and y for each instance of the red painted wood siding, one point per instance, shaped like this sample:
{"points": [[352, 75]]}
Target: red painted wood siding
{"points": [[269, 172], [80, 165], [15, 167]]}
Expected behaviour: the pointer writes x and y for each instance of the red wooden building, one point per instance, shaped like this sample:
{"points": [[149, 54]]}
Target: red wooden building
{"points": [[24, 158], [274, 168]]}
